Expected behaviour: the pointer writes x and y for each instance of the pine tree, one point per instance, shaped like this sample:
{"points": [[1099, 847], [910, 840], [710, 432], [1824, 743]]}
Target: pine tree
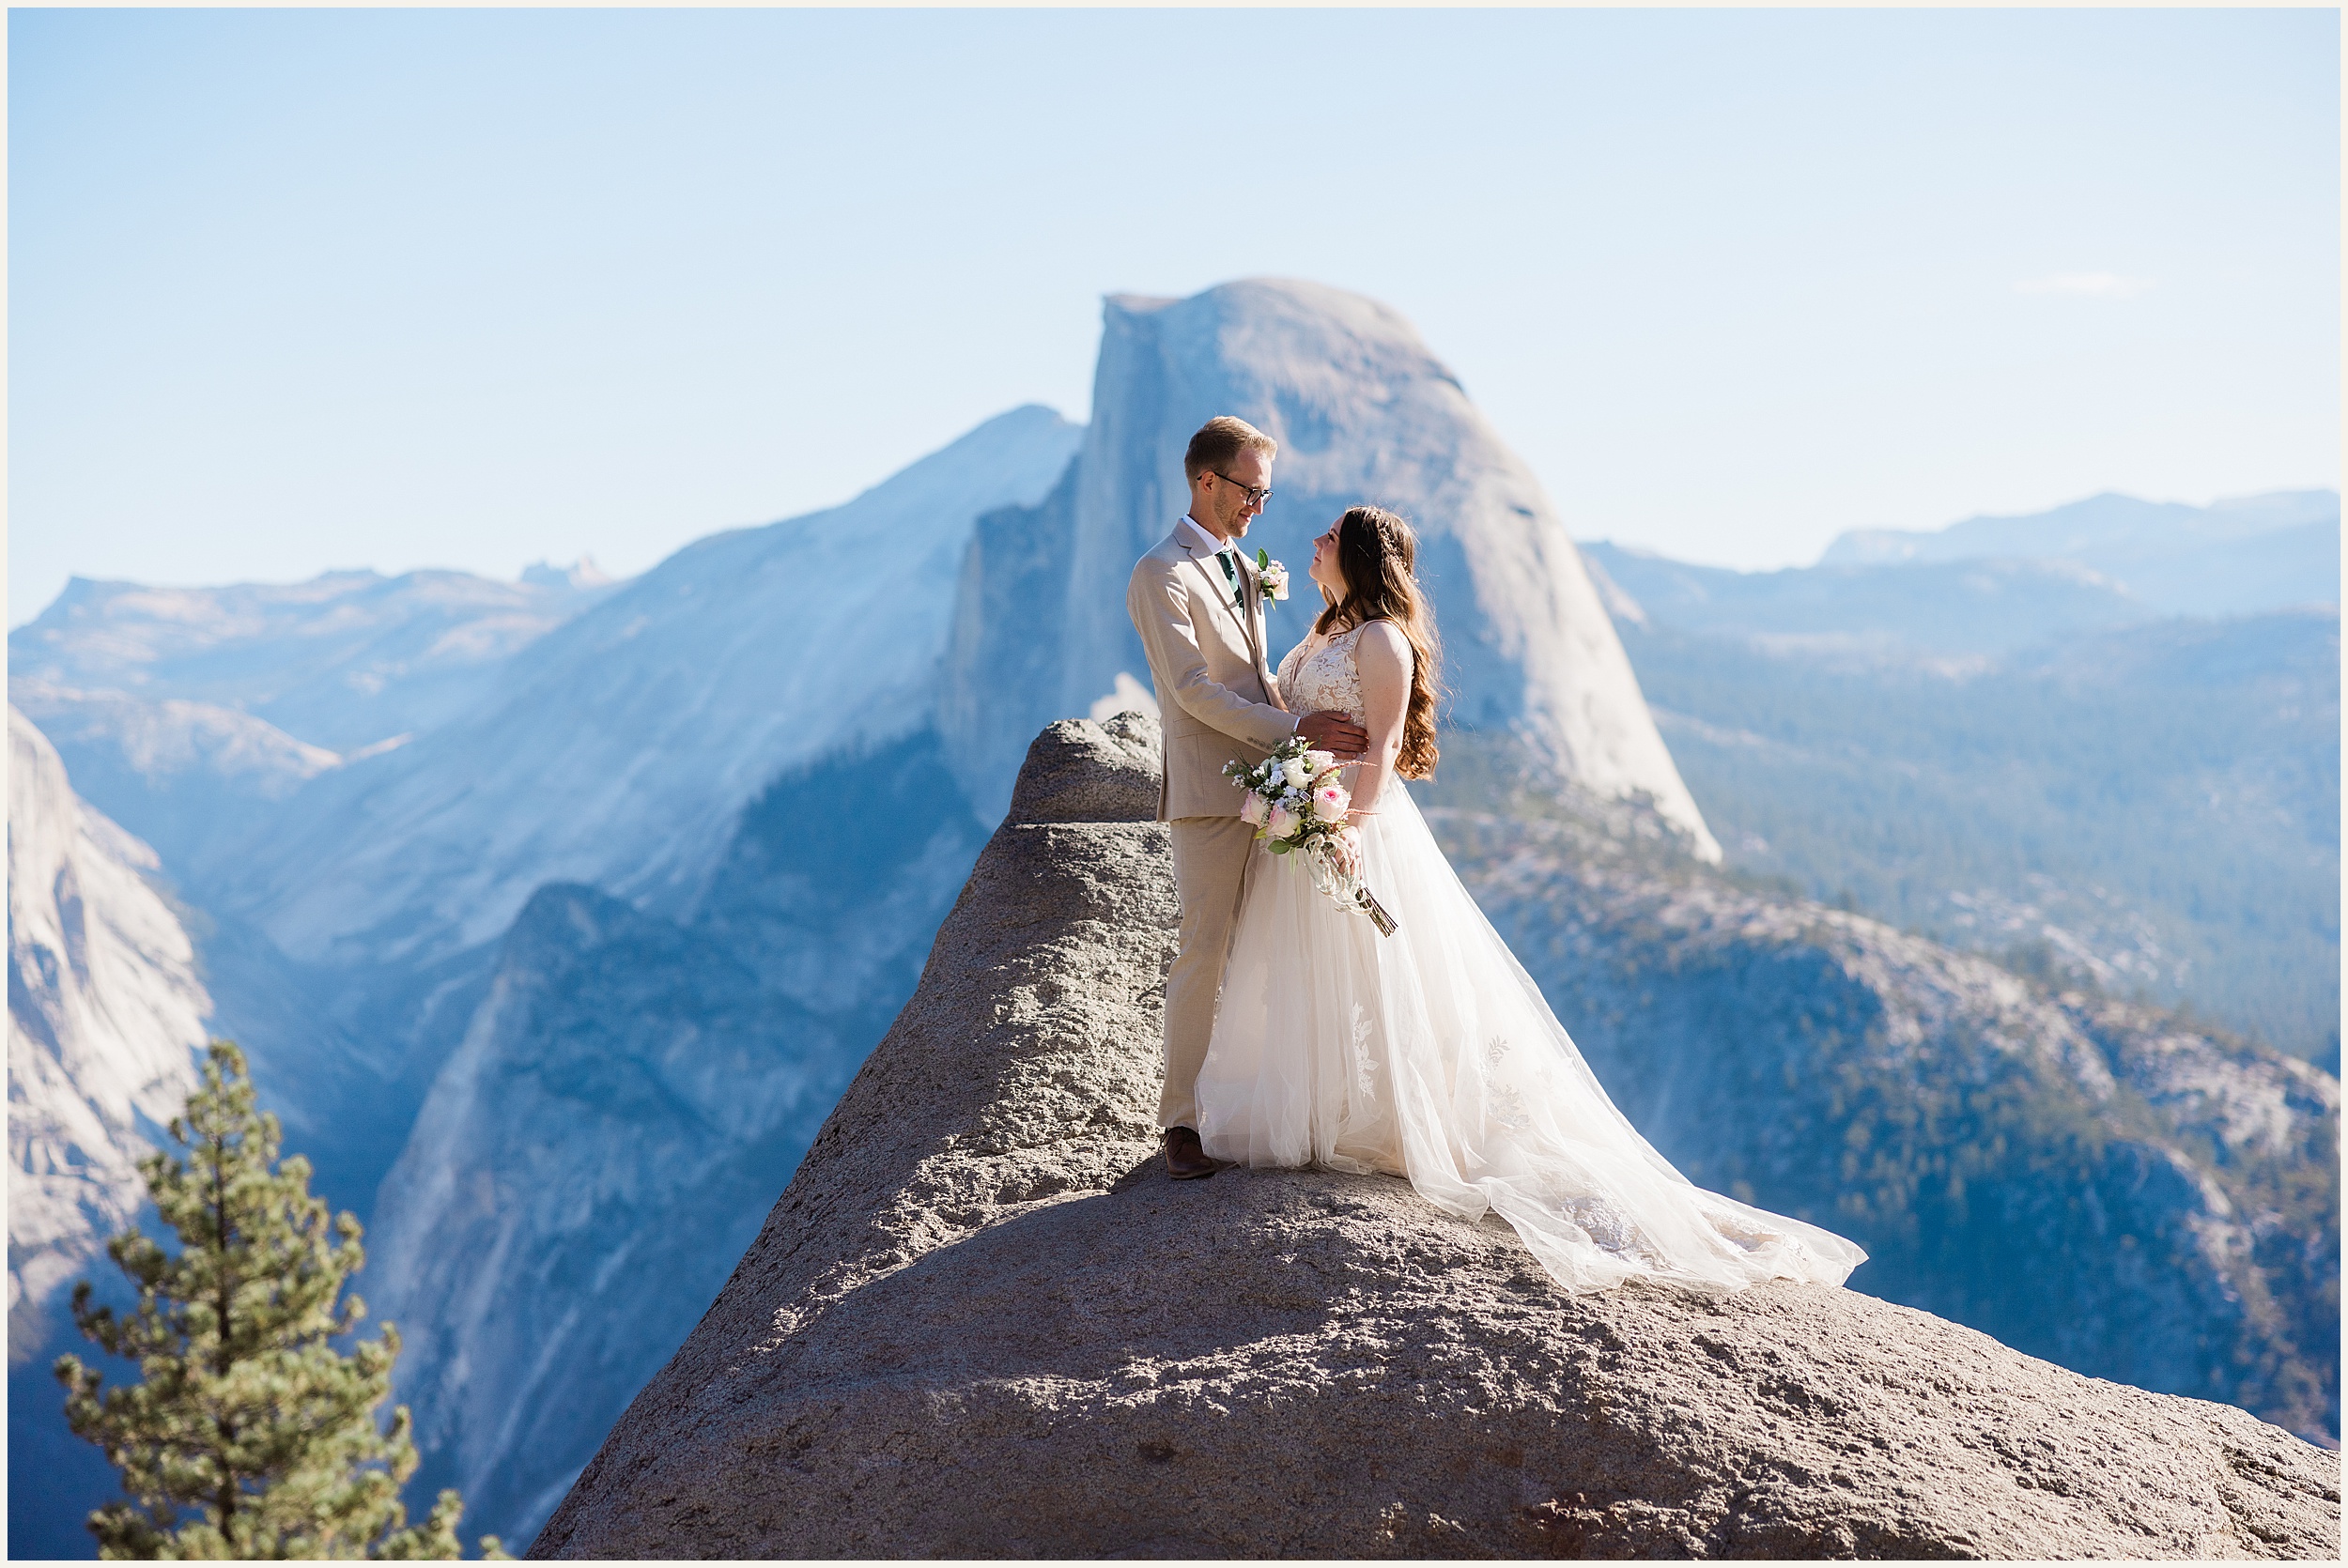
{"points": [[248, 1433]]}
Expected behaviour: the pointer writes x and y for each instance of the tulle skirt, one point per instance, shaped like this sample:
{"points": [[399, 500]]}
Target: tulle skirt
{"points": [[1431, 1055]]}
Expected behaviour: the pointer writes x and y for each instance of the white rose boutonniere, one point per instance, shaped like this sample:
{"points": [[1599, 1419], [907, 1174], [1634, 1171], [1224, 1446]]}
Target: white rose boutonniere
{"points": [[1274, 576]]}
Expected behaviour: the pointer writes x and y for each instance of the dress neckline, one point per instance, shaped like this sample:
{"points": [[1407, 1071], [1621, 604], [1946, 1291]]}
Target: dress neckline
{"points": [[1354, 630]]}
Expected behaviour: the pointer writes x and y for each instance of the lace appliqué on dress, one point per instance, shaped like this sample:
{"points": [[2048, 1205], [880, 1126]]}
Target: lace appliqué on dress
{"points": [[1327, 678], [1610, 1227], [1503, 1101]]}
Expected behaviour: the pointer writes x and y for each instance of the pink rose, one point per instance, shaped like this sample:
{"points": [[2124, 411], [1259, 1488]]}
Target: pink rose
{"points": [[1330, 802], [1252, 810]]}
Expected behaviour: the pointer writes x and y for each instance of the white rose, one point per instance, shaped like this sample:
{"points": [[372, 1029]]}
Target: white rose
{"points": [[1297, 774], [1283, 824], [1320, 762]]}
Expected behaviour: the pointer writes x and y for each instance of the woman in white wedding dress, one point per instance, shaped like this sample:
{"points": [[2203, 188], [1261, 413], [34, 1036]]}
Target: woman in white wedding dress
{"points": [[1430, 1053]]}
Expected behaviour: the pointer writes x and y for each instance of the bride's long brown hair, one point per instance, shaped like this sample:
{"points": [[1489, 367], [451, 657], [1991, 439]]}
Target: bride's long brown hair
{"points": [[1376, 554]]}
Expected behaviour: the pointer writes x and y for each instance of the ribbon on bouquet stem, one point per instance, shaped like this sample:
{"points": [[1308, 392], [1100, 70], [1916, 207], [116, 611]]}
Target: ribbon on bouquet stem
{"points": [[1343, 883]]}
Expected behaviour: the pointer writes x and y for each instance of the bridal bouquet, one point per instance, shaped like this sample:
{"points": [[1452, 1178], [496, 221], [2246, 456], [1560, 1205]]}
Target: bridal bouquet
{"points": [[1297, 806]]}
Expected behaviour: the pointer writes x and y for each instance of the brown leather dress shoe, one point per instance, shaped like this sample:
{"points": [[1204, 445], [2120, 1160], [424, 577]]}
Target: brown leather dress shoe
{"points": [[1184, 1160]]}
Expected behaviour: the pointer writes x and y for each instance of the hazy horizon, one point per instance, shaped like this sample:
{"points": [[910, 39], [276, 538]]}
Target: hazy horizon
{"points": [[566, 562]]}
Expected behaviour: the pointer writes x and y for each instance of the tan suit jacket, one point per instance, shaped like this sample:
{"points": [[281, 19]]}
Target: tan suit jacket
{"points": [[1219, 699]]}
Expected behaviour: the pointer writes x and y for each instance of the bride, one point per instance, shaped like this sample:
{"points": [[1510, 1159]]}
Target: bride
{"points": [[1430, 1054]]}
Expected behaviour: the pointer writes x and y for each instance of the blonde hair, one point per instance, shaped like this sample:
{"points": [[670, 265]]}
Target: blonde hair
{"points": [[1220, 439], [1376, 552]]}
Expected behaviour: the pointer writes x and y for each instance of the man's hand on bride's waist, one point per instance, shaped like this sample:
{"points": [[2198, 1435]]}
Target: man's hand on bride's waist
{"points": [[1333, 732]]}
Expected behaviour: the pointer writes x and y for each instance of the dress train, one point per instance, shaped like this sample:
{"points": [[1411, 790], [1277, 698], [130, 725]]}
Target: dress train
{"points": [[1430, 1053]]}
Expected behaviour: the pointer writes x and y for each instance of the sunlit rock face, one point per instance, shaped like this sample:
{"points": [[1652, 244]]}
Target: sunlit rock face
{"points": [[106, 1011], [619, 749], [1362, 413]]}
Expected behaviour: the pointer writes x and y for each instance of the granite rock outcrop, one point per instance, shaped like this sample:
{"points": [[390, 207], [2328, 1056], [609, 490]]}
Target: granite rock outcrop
{"points": [[981, 1322]]}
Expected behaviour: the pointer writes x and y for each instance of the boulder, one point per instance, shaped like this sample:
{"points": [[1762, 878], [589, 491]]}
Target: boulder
{"points": [[981, 1322]]}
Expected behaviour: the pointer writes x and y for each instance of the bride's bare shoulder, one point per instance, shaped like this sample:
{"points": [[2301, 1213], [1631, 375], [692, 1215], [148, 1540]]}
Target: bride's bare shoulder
{"points": [[1383, 642]]}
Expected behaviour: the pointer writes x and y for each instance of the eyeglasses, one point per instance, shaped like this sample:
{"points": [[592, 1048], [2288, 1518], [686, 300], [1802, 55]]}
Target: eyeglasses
{"points": [[1255, 495]]}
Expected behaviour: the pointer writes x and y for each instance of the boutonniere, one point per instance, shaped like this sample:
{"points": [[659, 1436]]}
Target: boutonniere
{"points": [[1274, 576]]}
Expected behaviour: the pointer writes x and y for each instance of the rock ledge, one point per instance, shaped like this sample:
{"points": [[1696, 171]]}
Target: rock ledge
{"points": [[981, 1322]]}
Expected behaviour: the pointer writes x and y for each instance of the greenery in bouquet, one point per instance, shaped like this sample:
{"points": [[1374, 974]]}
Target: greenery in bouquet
{"points": [[1296, 802]]}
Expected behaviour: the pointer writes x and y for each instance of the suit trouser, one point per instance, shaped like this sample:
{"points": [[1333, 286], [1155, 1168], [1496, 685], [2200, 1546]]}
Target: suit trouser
{"points": [[1213, 856]]}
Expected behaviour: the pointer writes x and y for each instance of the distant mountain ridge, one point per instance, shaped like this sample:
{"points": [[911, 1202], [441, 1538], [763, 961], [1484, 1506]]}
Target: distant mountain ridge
{"points": [[1941, 610], [618, 749], [1991, 585], [2023, 757], [2241, 556], [342, 661]]}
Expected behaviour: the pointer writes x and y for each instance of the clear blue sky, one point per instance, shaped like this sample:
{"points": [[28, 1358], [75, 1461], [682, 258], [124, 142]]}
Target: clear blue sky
{"points": [[298, 290]]}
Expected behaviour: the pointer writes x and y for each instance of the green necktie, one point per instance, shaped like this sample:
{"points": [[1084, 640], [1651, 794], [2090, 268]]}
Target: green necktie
{"points": [[1230, 574]]}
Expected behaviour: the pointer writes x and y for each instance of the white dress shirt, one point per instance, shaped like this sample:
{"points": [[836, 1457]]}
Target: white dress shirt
{"points": [[1198, 531], [1199, 536]]}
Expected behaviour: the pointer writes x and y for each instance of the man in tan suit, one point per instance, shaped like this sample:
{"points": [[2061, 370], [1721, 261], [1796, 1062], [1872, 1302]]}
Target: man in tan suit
{"points": [[1200, 612]]}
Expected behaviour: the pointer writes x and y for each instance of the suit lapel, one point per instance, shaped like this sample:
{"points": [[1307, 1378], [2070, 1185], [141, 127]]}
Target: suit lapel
{"points": [[1246, 614], [1258, 634], [1221, 589]]}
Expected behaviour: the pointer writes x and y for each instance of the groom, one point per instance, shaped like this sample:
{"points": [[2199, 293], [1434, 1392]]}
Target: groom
{"points": [[1200, 612]]}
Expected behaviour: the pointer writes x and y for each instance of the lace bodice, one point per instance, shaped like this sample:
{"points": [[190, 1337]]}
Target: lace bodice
{"points": [[1328, 678]]}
